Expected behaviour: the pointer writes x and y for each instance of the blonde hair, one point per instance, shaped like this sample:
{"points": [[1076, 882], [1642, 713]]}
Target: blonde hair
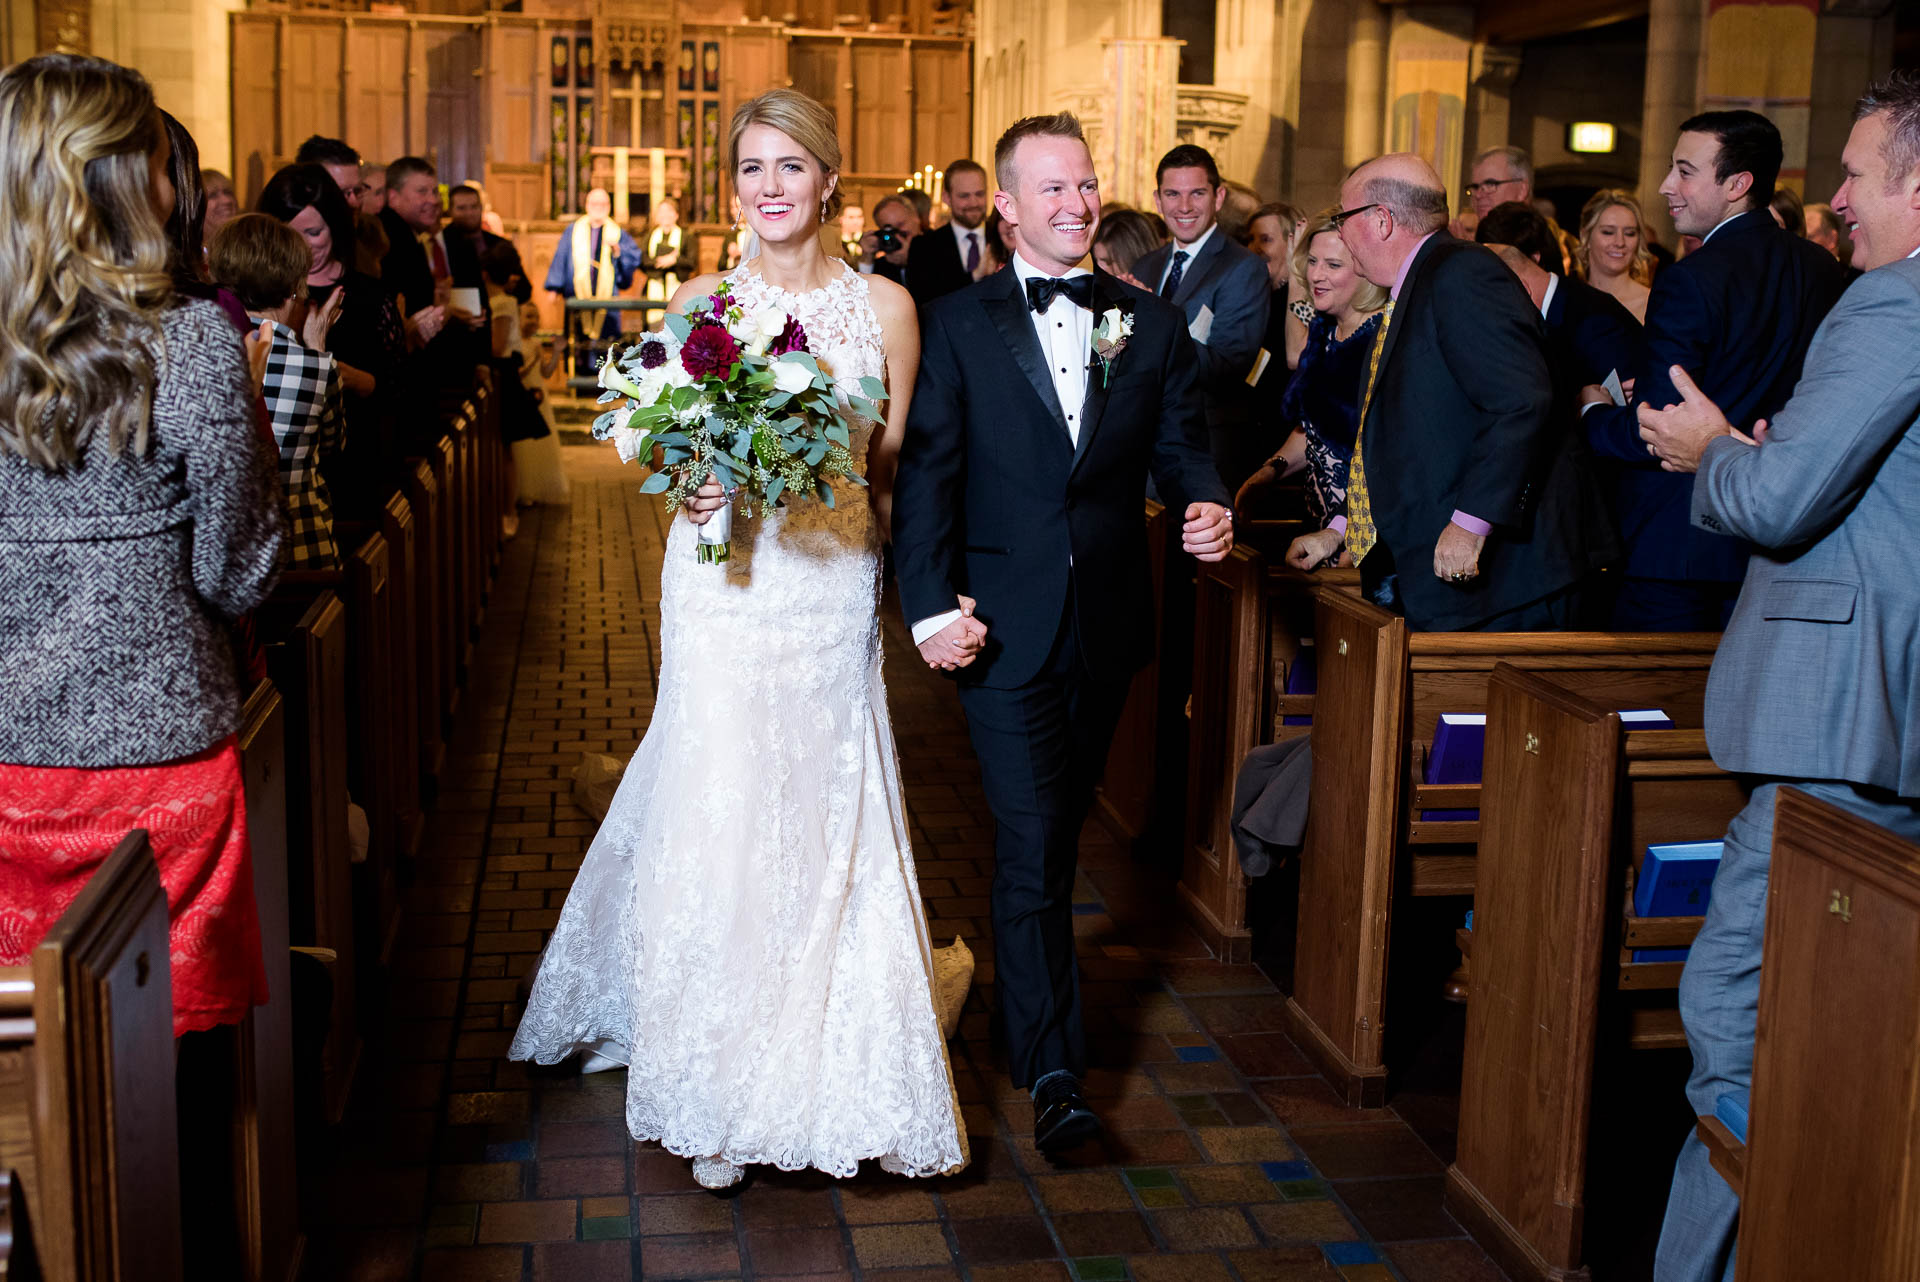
{"points": [[84, 256], [1368, 297], [807, 122], [261, 259], [1601, 201]]}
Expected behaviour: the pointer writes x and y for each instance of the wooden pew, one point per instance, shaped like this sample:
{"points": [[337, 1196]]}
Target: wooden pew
{"points": [[1571, 802], [1125, 799], [86, 1085], [374, 718], [1834, 1126], [397, 527], [1252, 621], [430, 625], [1381, 691]]}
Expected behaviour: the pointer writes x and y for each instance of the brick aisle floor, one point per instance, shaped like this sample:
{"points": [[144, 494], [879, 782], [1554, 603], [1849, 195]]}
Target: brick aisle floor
{"points": [[1229, 1158]]}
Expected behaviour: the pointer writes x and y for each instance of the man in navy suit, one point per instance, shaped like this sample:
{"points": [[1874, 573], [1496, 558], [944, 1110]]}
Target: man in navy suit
{"points": [[952, 257], [1737, 315], [1223, 288]]}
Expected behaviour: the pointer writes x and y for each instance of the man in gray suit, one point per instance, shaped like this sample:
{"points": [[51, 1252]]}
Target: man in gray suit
{"points": [[1222, 287], [1814, 685]]}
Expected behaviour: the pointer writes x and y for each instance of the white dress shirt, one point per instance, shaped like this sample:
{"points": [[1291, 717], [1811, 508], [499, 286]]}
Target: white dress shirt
{"points": [[1065, 331], [1546, 298], [1191, 251]]}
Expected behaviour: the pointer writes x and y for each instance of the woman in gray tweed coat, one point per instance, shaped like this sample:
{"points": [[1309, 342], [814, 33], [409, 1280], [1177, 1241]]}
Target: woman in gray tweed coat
{"points": [[139, 513]]}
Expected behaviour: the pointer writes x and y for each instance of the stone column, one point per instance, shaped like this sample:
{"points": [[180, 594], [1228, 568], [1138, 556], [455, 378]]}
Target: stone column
{"points": [[1672, 94], [1366, 82]]}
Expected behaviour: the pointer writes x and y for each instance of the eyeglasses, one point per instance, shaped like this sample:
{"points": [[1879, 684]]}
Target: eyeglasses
{"points": [[1339, 219], [1488, 187]]}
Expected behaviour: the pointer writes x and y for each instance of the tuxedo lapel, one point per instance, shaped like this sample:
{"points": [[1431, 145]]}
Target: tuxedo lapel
{"points": [[1008, 311], [1104, 296]]}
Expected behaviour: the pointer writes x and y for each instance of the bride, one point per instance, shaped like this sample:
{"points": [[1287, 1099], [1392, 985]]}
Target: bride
{"points": [[746, 933]]}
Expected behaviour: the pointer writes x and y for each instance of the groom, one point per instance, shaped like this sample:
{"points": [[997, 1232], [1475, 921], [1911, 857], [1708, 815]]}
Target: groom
{"points": [[1046, 395]]}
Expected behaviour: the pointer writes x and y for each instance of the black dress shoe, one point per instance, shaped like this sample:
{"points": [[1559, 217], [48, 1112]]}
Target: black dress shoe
{"points": [[1061, 1117]]}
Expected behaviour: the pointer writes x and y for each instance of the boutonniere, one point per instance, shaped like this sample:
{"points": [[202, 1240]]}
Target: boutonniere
{"points": [[1111, 331]]}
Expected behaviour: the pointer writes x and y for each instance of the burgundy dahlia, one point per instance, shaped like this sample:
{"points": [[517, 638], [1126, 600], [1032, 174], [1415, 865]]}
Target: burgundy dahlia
{"points": [[653, 354], [709, 349], [792, 339]]}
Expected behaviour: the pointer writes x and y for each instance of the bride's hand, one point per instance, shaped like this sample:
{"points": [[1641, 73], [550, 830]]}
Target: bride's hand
{"points": [[705, 501]]}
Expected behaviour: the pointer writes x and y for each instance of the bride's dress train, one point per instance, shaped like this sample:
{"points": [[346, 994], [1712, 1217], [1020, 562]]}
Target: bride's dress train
{"points": [[746, 930]]}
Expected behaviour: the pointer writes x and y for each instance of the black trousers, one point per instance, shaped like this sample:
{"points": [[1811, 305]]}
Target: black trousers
{"points": [[1042, 747]]}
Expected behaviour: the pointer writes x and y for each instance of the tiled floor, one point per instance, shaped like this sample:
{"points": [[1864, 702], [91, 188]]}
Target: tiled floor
{"points": [[1229, 1159]]}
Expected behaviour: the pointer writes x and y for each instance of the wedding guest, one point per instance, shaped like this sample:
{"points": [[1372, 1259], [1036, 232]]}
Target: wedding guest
{"points": [[1272, 233], [1124, 238], [373, 188], [141, 516], [999, 249], [221, 202], [853, 225], [884, 250], [1321, 407], [340, 161], [466, 217], [1237, 210], [938, 265], [1500, 174], [265, 262], [1788, 211], [1612, 253]]}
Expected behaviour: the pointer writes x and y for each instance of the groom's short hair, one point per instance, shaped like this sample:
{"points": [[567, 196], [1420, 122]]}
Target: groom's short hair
{"points": [[1060, 125]]}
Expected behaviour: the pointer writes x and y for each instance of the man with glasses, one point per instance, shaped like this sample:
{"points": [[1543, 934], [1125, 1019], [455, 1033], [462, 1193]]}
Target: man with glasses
{"points": [[339, 160], [1469, 507], [1500, 174]]}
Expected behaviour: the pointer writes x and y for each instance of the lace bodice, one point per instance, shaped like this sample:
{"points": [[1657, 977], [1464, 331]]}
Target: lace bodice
{"points": [[842, 331]]}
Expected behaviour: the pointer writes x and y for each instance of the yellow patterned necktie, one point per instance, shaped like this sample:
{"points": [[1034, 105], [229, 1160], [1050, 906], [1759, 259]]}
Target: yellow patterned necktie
{"points": [[1361, 534]]}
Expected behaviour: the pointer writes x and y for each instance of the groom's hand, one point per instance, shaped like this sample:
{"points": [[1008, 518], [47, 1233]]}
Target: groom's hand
{"points": [[959, 643], [705, 501], [1208, 533]]}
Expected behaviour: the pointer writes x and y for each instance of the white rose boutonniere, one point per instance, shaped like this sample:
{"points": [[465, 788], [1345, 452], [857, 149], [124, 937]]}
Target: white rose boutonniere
{"points": [[1110, 334]]}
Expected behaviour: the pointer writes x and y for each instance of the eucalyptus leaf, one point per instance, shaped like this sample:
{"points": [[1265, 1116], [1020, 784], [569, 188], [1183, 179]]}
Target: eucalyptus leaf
{"points": [[875, 390], [826, 494], [656, 483], [608, 395], [678, 326], [774, 488]]}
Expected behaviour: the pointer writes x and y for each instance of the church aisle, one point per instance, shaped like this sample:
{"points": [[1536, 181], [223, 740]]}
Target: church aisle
{"points": [[1227, 1158]]}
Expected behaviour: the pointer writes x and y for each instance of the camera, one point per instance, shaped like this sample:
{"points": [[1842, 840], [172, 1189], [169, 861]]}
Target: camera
{"points": [[887, 238]]}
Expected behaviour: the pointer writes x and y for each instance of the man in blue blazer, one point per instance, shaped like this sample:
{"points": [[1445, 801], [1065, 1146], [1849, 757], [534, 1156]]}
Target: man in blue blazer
{"points": [[1737, 315], [1222, 287], [1817, 683]]}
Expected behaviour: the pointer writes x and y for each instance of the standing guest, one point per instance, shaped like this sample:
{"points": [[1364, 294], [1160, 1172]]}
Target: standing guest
{"points": [[1468, 504], [1466, 223], [922, 206], [853, 225], [1321, 405], [368, 342], [265, 262], [1788, 212], [1125, 237], [221, 202], [1223, 289], [370, 235], [1824, 230], [1237, 210], [940, 264], [141, 515], [466, 208], [1815, 685], [999, 248], [1737, 315], [1272, 234], [669, 251], [1500, 174], [595, 259], [884, 250], [340, 161], [373, 188], [1612, 252]]}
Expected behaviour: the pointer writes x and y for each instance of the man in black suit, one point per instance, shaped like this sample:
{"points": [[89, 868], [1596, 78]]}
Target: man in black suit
{"points": [[1589, 334], [1046, 395], [464, 212], [952, 257], [1223, 288], [423, 267], [1468, 504], [1737, 315], [884, 250]]}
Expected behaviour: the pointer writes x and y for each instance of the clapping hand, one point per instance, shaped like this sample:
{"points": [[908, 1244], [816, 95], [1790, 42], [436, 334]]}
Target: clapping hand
{"points": [[1208, 532], [1679, 434], [320, 320], [959, 643]]}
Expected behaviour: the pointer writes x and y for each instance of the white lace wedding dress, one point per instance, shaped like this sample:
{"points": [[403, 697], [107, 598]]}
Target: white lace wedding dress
{"points": [[746, 930]]}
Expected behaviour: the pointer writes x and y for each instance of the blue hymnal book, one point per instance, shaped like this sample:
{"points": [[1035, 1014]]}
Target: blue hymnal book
{"points": [[1459, 746], [1645, 719], [1660, 954], [1302, 678], [1731, 1108], [1676, 880]]}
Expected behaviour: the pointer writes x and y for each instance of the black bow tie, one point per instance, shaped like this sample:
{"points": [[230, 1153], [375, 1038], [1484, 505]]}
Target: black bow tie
{"points": [[1042, 290]]}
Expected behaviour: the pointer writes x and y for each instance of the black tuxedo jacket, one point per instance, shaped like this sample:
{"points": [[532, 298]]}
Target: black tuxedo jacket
{"points": [[994, 501], [1462, 419], [1737, 315], [934, 266]]}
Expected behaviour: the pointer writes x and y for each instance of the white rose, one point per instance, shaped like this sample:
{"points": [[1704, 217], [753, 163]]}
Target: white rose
{"points": [[791, 376], [1110, 321]]}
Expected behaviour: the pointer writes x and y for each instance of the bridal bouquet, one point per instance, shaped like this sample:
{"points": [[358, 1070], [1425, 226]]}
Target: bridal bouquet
{"points": [[735, 397]]}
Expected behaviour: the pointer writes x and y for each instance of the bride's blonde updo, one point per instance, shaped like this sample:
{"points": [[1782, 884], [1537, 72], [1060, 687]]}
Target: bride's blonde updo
{"points": [[807, 122]]}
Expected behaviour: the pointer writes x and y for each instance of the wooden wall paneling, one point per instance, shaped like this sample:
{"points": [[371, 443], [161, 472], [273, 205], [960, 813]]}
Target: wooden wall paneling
{"points": [[516, 134], [943, 107], [752, 61], [376, 106], [815, 68], [843, 102], [312, 89], [882, 128], [256, 108], [453, 101], [418, 80]]}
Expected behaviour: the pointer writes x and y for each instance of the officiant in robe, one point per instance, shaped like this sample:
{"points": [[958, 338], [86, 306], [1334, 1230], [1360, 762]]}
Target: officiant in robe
{"points": [[595, 259]]}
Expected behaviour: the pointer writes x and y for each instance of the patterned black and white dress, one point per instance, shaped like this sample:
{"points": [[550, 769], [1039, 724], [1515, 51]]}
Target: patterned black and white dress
{"points": [[302, 391]]}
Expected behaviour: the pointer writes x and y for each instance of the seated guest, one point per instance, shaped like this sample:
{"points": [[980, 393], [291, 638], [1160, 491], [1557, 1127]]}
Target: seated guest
{"points": [[1737, 315], [265, 262], [141, 515], [1469, 506], [1321, 407], [1223, 290], [595, 259], [368, 343], [1612, 252], [1815, 685], [940, 264], [1124, 238], [1589, 334], [373, 188]]}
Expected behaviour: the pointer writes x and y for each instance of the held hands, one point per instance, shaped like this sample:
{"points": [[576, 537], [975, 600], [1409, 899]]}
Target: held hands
{"points": [[1456, 554], [959, 643], [1309, 551], [1208, 532], [1679, 434], [705, 501]]}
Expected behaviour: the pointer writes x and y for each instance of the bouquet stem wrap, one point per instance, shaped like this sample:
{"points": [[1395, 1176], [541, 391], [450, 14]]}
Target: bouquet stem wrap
{"points": [[716, 536]]}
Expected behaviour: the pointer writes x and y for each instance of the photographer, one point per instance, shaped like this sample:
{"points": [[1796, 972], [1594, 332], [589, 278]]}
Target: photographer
{"points": [[883, 251]]}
